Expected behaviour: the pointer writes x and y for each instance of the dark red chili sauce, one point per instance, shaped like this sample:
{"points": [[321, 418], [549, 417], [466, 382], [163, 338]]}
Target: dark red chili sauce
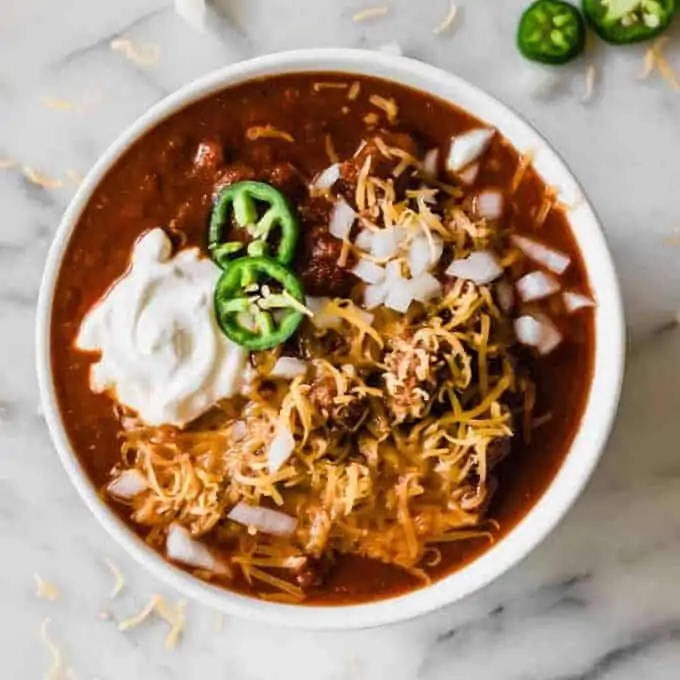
{"points": [[168, 178]]}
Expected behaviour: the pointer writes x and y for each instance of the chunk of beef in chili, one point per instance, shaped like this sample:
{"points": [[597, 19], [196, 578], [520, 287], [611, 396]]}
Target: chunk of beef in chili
{"points": [[322, 393], [317, 262], [382, 163]]}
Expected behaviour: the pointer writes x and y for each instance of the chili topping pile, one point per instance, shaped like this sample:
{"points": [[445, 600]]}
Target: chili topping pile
{"points": [[342, 370]]}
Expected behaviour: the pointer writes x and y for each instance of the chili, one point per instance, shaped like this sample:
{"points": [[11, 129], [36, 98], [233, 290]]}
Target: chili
{"points": [[249, 312], [242, 200], [551, 32], [629, 21]]}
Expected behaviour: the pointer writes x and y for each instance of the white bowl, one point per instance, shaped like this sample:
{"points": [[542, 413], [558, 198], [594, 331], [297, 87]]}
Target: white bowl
{"points": [[593, 429]]}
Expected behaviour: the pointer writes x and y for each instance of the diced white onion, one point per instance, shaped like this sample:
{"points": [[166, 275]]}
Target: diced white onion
{"points": [[480, 267], [430, 163], [537, 331], [489, 204], [505, 295], [469, 175], [328, 177], [364, 240], [468, 147], [536, 286], [375, 295], [575, 301], [180, 547], [342, 219], [288, 368], [385, 243], [551, 259], [401, 293], [425, 287], [424, 253], [263, 519], [127, 485], [369, 271], [280, 448], [393, 48], [399, 298], [193, 12]]}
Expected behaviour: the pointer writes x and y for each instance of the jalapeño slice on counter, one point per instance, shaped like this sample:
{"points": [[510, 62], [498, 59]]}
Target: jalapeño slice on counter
{"points": [[629, 21], [246, 202], [259, 302], [551, 32]]}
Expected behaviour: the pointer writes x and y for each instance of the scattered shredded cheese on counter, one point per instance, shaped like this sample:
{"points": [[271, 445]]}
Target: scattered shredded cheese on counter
{"points": [[144, 55], [173, 615], [6, 163], [219, 622], [655, 59], [57, 665], [44, 589], [119, 582], [447, 21], [143, 615], [58, 104], [267, 132], [589, 83], [370, 13], [38, 178]]}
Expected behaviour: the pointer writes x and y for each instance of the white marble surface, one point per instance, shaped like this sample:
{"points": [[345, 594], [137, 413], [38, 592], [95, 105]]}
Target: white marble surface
{"points": [[597, 601]]}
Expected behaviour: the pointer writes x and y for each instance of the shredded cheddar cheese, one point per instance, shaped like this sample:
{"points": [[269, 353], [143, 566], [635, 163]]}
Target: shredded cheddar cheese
{"points": [[320, 86], [57, 660], [58, 104], [447, 21], [44, 589], [589, 83], [267, 132], [143, 55], [119, 580], [388, 105], [370, 13], [655, 59], [330, 149], [39, 179]]}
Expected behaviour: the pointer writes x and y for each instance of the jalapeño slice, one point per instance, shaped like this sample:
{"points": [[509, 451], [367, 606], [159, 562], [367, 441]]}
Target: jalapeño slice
{"points": [[551, 32], [242, 200], [259, 302]]}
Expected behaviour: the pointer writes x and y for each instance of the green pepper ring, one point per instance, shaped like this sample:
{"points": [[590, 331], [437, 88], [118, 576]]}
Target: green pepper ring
{"points": [[241, 197], [231, 283], [548, 51], [617, 34]]}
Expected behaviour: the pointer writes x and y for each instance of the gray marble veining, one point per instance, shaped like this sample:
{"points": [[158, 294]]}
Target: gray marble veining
{"points": [[596, 601]]}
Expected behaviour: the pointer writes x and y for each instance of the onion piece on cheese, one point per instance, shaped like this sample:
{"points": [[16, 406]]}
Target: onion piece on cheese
{"points": [[480, 267], [263, 519], [468, 147]]}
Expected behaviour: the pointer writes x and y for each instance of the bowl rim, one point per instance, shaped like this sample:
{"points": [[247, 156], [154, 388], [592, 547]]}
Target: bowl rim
{"points": [[588, 442]]}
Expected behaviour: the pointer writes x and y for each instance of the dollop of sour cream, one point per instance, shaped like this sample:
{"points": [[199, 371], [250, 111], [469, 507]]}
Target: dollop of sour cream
{"points": [[162, 352]]}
